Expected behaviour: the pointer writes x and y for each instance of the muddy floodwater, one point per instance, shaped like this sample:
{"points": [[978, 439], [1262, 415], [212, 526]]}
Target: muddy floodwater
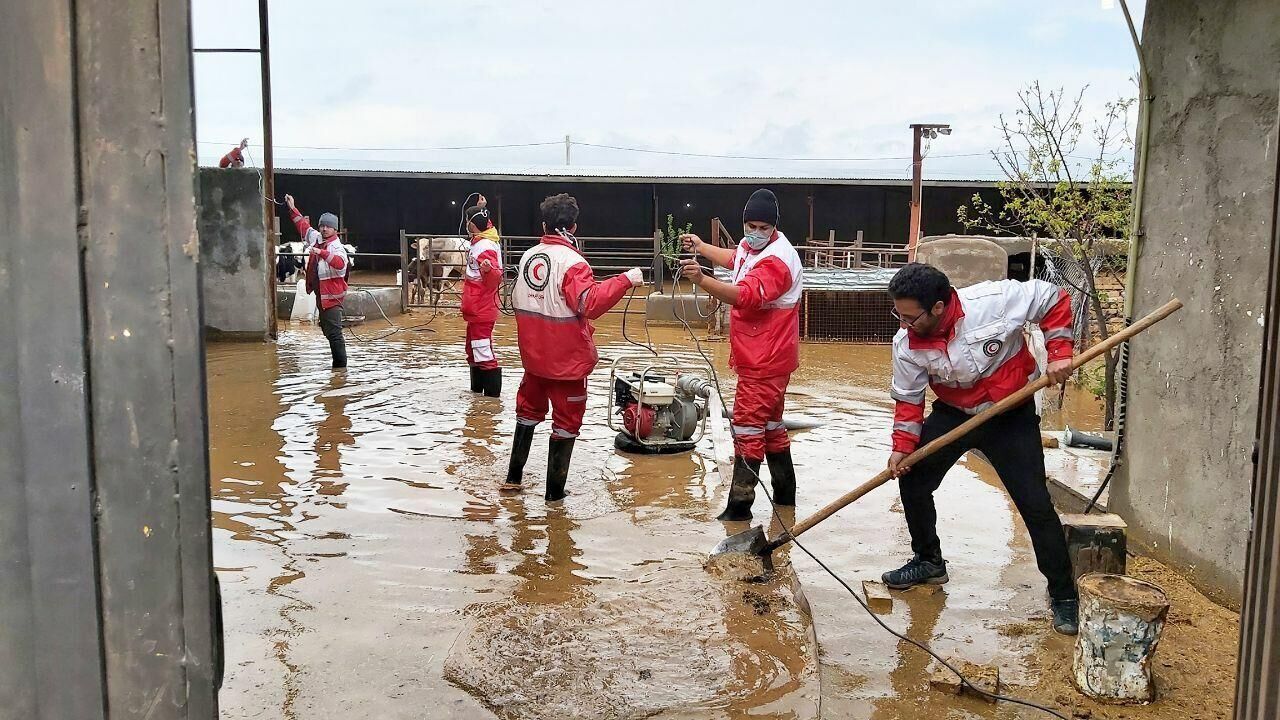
{"points": [[370, 568]]}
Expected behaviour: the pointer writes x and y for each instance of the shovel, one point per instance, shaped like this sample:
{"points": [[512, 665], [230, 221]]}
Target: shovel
{"points": [[755, 542]]}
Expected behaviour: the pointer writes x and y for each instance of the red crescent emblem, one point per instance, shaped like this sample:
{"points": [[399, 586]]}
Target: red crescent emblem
{"points": [[538, 271]]}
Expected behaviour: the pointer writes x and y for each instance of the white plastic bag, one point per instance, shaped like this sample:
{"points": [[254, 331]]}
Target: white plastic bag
{"points": [[304, 303]]}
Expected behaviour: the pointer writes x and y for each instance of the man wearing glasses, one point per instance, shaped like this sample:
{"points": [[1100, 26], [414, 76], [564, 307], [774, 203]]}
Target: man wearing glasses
{"points": [[967, 345]]}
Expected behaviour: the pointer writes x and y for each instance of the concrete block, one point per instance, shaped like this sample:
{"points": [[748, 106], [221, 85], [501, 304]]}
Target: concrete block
{"points": [[662, 308], [985, 677], [878, 597], [1095, 543], [967, 260]]}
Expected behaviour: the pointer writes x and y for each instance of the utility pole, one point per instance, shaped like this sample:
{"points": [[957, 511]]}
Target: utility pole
{"points": [[567, 144], [918, 132], [268, 165]]}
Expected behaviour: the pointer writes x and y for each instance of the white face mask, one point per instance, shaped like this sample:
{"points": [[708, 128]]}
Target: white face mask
{"points": [[757, 239]]}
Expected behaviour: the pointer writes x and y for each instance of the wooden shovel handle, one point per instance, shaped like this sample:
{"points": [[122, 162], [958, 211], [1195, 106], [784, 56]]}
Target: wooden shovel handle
{"points": [[1010, 402]]}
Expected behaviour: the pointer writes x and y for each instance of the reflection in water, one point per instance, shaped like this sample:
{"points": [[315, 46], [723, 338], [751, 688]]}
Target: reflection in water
{"points": [[332, 433], [549, 560]]}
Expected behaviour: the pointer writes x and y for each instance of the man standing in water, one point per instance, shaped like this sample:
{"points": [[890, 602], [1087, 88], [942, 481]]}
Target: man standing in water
{"points": [[482, 277], [556, 297], [967, 345], [764, 345], [326, 275]]}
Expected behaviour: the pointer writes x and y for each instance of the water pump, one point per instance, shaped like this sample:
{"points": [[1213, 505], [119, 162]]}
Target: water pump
{"points": [[657, 408]]}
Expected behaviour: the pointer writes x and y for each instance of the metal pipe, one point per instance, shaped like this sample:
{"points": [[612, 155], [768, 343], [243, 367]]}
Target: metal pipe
{"points": [[1135, 244]]}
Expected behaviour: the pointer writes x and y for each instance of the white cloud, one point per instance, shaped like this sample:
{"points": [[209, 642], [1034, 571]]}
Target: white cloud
{"points": [[818, 79]]}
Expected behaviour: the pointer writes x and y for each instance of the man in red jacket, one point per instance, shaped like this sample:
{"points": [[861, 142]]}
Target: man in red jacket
{"points": [[235, 158], [764, 345], [556, 297], [326, 275], [968, 346], [482, 277]]}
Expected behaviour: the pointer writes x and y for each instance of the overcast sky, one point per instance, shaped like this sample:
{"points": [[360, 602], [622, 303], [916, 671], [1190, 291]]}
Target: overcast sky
{"points": [[806, 79]]}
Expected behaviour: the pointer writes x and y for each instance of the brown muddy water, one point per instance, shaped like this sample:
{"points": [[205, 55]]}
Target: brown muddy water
{"points": [[370, 568]]}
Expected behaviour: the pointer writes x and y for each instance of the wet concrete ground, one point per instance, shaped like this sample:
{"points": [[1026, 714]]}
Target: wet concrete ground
{"points": [[371, 570]]}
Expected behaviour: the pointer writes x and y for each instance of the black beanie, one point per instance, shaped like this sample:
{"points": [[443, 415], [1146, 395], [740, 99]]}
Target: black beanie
{"points": [[762, 206], [479, 216]]}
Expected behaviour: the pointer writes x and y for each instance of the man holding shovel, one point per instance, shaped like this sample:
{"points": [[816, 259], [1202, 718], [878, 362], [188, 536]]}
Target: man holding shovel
{"points": [[764, 345], [967, 345]]}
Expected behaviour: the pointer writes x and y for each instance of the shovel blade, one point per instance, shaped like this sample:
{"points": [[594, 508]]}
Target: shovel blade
{"points": [[748, 542]]}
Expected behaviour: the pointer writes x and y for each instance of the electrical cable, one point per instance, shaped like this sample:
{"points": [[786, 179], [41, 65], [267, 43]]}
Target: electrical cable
{"points": [[400, 149], [626, 310], [421, 327], [774, 508]]}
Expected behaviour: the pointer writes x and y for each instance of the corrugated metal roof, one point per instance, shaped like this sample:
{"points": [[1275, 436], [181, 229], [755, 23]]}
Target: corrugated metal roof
{"points": [[839, 279], [562, 173]]}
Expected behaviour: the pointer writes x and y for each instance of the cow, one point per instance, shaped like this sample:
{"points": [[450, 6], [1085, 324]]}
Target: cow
{"points": [[289, 262], [446, 257]]}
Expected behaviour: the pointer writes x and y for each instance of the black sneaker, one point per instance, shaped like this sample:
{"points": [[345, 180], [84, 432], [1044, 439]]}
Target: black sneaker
{"points": [[917, 572], [1065, 616]]}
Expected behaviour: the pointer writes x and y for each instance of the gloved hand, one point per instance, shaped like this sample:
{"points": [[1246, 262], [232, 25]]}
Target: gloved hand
{"points": [[635, 276]]}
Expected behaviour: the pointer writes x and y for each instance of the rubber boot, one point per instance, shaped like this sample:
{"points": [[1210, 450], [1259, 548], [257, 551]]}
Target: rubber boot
{"points": [[519, 455], [477, 380], [782, 473], [559, 453], [491, 382], [742, 493]]}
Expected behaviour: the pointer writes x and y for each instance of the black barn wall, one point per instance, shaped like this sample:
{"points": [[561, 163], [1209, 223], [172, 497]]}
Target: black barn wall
{"points": [[375, 208]]}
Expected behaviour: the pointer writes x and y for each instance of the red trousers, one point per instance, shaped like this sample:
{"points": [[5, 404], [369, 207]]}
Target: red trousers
{"points": [[757, 416], [568, 400], [480, 345]]}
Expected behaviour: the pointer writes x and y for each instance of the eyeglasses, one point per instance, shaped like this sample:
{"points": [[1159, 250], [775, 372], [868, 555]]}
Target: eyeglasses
{"points": [[904, 321]]}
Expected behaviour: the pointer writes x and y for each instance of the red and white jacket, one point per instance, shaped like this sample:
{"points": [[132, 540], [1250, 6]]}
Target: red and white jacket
{"points": [[235, 158], [977, 355], [556, 297], [764, 327], [480, 286], [327, 266]]}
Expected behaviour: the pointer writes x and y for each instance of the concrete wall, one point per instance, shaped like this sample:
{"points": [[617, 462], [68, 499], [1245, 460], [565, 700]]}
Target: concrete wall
{"points": [[1184, 484], [233, 253], [966, 260]]}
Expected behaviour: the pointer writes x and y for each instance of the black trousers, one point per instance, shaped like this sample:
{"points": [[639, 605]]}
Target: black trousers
{"points": [[331, 326], [1012, 443]]}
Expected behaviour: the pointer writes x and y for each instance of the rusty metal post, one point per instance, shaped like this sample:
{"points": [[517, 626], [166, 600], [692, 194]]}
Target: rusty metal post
{"points": [[404, 272], [917, 162], [810, 199], [268, 164]]}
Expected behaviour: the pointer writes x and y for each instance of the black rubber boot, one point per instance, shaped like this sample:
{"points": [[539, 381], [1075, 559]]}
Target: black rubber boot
{"points": [[782, 474], [742, 493], [477, 380], [519, 455], [491, 382], [559, 453]]}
